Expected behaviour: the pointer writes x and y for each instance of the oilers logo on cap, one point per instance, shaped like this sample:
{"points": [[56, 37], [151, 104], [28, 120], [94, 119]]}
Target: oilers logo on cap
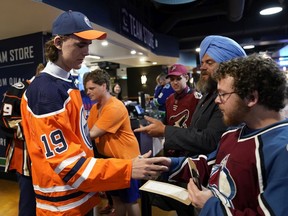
{"points": [[87, 21]]}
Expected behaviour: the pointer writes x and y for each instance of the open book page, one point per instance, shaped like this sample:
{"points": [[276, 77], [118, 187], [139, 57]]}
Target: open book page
{"points": [[186, 171], [166, 189]]}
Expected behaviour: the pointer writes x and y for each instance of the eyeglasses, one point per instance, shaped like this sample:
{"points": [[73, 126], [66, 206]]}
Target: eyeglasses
{"points": [[178, 78], [225, 96]]}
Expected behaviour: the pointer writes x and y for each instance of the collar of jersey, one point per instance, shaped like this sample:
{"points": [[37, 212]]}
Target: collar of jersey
{"points": [[56, 71]]}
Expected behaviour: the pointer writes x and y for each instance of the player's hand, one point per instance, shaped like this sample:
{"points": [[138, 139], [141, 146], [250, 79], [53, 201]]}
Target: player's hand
{"points": [[147, 168]]}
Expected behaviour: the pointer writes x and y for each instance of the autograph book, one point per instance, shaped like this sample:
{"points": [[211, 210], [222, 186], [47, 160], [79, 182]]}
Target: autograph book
{"points": [[184, 173]]}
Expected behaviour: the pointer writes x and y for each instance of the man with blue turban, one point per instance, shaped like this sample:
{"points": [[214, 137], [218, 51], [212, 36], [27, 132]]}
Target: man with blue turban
{"points": [[206, 128], [215, 49], [220, 48]]}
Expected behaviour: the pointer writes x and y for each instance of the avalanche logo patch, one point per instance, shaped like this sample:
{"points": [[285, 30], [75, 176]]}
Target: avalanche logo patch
{"points": [[222, 183]]}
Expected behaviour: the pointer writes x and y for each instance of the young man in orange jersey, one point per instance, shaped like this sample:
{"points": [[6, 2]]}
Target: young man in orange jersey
{"points": [[65, 174]]}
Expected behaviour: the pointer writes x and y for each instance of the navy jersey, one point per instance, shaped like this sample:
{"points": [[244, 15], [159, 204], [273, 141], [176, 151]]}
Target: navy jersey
{"points": [[157, 90], [160, 100]]}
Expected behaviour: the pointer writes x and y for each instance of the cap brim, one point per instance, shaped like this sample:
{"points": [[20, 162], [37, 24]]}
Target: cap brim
{"points": [[174, 74], [91, 35]]}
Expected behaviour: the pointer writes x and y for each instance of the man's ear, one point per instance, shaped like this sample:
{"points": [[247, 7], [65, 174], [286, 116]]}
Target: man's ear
{"points": [[252, 99], [58, 42]]}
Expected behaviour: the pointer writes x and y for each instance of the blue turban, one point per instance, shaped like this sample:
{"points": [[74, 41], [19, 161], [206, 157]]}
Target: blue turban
{"points": [[220, 48]]}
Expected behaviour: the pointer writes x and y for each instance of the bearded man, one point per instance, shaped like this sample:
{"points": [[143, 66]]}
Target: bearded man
{"points": [[207, 126]]}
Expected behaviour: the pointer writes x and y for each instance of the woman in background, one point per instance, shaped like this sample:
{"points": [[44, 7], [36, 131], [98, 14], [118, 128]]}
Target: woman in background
{"points": [[117, 91]]}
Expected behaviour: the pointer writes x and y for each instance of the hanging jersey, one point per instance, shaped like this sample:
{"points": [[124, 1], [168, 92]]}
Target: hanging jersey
{"points": [[17, 158], [160, 100], [66, 176], [157, 90], [247, 174]]}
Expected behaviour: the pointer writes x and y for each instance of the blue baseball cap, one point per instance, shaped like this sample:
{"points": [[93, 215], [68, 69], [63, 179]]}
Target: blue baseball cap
{"points": [[73, 22]]}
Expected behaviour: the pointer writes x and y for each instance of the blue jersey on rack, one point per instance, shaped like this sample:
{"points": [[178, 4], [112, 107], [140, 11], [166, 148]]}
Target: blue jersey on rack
{"points": [[160, 100]]}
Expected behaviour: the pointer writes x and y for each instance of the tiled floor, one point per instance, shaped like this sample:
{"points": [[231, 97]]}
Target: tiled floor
{"points": [[9, 194]]}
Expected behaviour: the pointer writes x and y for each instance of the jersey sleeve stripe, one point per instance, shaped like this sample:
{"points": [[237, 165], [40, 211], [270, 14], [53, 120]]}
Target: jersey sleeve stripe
{"points": [[74, 169], [86, 173], [68, 161]]}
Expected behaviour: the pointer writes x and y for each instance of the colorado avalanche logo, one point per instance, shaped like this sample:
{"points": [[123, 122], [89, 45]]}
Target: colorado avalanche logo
{"points": [[222, 183]]}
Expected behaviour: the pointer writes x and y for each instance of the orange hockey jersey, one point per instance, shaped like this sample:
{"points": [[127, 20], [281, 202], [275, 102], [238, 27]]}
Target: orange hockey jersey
{"points": [[66, 176]]}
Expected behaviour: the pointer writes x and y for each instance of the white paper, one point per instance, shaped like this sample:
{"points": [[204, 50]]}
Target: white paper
{"points": [[157, 145], [166, 189]]}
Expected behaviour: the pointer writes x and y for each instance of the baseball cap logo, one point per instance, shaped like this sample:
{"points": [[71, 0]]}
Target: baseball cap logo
{"points": [[87, 22], [173, 68]]}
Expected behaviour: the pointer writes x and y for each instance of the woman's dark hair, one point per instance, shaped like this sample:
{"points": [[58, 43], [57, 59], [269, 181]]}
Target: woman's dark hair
{"points": [[119, 95]]}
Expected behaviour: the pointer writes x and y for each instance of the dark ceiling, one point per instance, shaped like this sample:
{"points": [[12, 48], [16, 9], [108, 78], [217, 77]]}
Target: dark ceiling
{"points": [[238, 19]]}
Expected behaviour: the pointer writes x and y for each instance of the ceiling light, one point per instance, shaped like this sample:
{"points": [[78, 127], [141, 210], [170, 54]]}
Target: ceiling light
{"points": [[197, 49], [154, 63], [173, 2], [140, 53], [248, 46], [93, 56], [133, 52], [104, 43], [271, 7], [143, 79], [142, 59], [270, 11]]}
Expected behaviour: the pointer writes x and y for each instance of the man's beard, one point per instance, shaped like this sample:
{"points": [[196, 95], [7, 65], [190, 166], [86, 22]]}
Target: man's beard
{"points": [[206, 86], [237, 115]]}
